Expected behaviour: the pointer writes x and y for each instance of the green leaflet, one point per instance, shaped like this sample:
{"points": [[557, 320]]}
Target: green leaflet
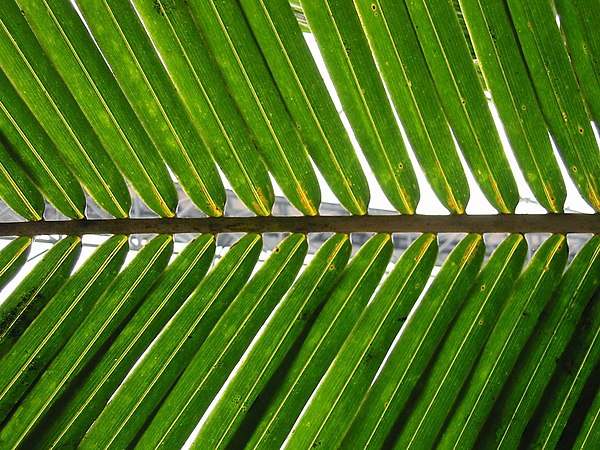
{"points": [[578, 22], [588, 14], [513, 94], [209, 368], [203, 91], [532, 372], [463, 100], [559, 94], [47, 334], [404, 69], [573, 369], [164, 57], [138, 69], [291, 387], [288, 322], [46, 94], [290, 62], [157, 372], [72, 51], [352, 372], [12, 258], [251, 85], [424, 330], [505, 343], [25, 140], [23, 305], [336, 27], [71, 416], [94, 331], [589, 434], [17, 190], [423, 419]]}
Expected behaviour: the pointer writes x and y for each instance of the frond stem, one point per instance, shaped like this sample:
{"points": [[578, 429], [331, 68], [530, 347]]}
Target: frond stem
{"points": [[501, 223]]}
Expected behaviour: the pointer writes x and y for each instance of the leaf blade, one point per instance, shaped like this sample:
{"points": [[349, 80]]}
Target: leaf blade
{"points": [[93, 332], [72, 51], [46, 94], [23, 305], [557, 323], [128, 50], [346, 53], [252, 87], [27, 141], [581, 38], [276, 30], [289, 321], [559, 94], [404, 69], [211, 365], [53, 326], [574, 369], [426, 416], [505, 342], [513, 94], [69, 419], [120, 421], [463, 100], [203, 91], [12, 258], [355, 366], [416, 345], [17, 190], [291, 389]]}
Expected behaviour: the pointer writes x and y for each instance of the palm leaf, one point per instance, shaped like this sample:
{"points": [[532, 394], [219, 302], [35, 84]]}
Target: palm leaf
{"points": [[306, 331], [57, 322], [405, 72], [66, 424], [468, 335], [362, 352], [505, 342], [567, 382], [93, 332], [289, 60], [463, 100], [130, 54], [290, 391], [28, 299], [26, 142], [12, 258], [17, 190], [45, 92], [565, 113], [251, 84], [290, 320], [506, 75], [88, 77], [230, 337], [424, 330]]}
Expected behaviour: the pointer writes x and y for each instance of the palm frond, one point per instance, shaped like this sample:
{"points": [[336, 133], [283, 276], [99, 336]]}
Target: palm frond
{"points": [[347, 343]]}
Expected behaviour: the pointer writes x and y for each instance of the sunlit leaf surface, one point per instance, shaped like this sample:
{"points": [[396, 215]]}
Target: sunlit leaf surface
{"points": [[271, 333]]}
